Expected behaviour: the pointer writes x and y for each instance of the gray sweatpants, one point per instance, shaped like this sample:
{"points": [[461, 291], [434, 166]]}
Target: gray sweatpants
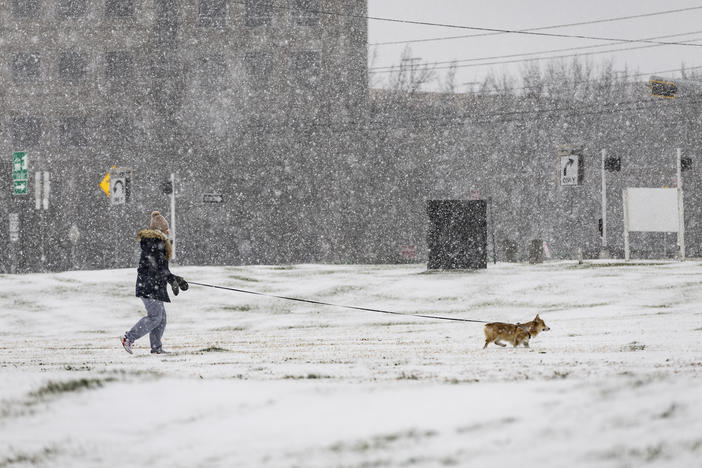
{"points": [[154, 323]]}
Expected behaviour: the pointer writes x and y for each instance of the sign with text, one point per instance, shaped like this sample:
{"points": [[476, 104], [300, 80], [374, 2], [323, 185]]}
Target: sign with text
{"points": [[119, 183], [570, 168], [20, 172], [571, 165], [212, 198]]}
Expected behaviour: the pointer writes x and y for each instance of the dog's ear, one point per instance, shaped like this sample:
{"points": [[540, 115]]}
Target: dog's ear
{"points": [[537, 317]]}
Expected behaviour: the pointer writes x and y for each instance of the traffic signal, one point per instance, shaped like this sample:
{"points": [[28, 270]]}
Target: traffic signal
{"points": [[662, 88], [167, 187], [599, 226], [685, 163], [613, 164]]}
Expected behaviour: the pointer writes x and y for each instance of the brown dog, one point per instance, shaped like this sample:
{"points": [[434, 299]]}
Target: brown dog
{"points": [[517, 334]]}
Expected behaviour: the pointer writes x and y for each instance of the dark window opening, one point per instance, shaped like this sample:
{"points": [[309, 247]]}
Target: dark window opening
{"points": [[259, 12], [212, 12], [72, 67], [26, 132], [119, 130], [259, 67], [25, 67], [119, 67], [72, 131], [71, 8], [119, 8], [306, 67], [25, 8], [305, 12], [213, 72]]}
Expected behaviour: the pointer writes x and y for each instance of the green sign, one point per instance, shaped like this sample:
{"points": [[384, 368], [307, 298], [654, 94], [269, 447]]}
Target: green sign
{"points": [[20, 172], [20, 187]]}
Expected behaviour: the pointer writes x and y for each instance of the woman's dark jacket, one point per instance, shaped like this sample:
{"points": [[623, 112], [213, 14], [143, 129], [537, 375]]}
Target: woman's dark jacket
{"points": [[153, 274]]}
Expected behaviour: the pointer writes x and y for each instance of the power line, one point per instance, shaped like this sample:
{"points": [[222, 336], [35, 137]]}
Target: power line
{"points": [[503, 62], [567, 49], [582, 23], [474, 28], [531, 33]]}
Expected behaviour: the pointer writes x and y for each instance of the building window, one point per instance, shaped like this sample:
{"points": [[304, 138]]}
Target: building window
{"points": [[305, 12], [118, 130], [212, 12], [72, 131], [72, 67], [259, 66], [306, 67], [213, 72], [26, 132], [25, 8], [25, 67], [71, 8], [119, 8], [119, 67], [259, 12]]}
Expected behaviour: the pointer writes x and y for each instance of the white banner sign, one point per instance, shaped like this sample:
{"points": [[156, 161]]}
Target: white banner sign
{"points": [[652, 209]]}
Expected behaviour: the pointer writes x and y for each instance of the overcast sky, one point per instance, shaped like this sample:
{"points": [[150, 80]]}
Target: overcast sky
{"points": [[525, 14]]}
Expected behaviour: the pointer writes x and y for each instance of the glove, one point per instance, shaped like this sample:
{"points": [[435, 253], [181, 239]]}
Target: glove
{"points": [[182, 284], [174, 285]]}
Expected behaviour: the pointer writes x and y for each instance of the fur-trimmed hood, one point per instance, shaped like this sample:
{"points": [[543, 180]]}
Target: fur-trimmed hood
{"points": [[156, 234]]}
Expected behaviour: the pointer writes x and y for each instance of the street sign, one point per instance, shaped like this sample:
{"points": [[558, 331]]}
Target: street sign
{"points": [[20, 187], [212, 198], [20, 172], [118, 191], [663, 88], [14, 227], [120, 181], [105, 184], [571, 168], [20, 166]]}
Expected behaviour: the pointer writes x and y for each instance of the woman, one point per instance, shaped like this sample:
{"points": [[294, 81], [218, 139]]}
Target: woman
{"points": [[152, 276]]}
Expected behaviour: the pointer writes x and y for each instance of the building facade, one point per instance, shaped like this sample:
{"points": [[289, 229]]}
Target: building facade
{"points": [[235, 98]]}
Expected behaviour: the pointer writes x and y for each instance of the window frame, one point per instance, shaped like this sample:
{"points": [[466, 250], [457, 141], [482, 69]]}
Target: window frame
{"points": [[258, 13], [35, 76], [78, 58]]}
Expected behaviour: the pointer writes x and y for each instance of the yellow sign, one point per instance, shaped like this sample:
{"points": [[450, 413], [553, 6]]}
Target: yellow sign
{"points": [[105, 184]]}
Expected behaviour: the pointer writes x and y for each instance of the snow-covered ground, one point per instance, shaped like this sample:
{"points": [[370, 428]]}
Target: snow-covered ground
{"points": [[255, 381]]}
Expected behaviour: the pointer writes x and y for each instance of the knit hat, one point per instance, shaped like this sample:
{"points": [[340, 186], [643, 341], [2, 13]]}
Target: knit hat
{"points": [[158, 222]]}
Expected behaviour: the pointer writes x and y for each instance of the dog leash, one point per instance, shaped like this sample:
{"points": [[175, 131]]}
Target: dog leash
{"points": [[366, 309]]}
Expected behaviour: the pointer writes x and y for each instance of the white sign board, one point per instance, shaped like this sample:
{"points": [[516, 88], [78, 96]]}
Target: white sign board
{"points": [[119, 185], [118, 190], [652, 209], [570, 166], [14, 227]]}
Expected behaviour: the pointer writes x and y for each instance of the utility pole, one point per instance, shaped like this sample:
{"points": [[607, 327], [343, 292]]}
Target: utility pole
{"points": [[173, 216], [604, 251], [681, 208]]}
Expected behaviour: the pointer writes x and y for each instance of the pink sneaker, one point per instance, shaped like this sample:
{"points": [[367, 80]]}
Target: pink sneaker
{"points": [[127, 344]]}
